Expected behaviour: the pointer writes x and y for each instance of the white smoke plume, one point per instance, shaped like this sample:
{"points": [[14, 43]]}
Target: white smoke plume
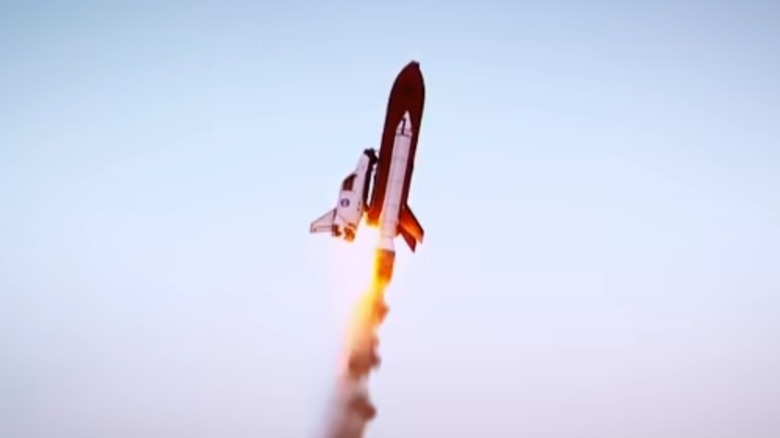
{"points": [[351, 409]]}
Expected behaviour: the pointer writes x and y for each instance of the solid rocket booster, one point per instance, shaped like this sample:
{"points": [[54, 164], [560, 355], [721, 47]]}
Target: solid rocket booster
{"points": [[391, 210]]}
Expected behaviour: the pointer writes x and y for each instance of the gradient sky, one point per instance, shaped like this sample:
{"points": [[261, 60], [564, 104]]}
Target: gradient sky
{"points": [[598, 182]]}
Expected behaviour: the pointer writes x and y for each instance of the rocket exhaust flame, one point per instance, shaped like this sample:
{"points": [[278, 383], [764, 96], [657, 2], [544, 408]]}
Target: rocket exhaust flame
{"points": [[385, 261], [353, 409]]}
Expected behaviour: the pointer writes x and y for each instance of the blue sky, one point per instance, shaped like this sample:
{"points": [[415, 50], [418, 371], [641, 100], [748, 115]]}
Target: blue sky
{"points": [[598, 183]]}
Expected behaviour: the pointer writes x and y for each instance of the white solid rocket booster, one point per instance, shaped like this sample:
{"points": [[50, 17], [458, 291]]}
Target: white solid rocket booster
{"points": [[391, 209]]}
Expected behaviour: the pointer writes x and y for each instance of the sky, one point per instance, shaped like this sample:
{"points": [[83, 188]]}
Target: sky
{"points": [[598, 182]]}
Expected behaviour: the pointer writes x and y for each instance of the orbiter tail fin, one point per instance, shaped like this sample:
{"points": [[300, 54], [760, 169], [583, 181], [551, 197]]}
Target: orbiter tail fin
{"points": [[409, 228]]}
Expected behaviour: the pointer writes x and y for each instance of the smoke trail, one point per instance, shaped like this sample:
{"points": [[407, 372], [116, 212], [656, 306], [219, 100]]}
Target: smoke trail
{"points": [[352, 408]]}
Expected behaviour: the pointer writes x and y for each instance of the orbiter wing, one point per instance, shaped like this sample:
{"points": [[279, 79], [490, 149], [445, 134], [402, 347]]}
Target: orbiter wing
{"points": [[323, 223]]}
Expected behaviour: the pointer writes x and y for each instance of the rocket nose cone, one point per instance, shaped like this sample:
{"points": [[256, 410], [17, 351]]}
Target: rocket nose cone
{"points": [[411, 73], [413, 68], [409, 84]]}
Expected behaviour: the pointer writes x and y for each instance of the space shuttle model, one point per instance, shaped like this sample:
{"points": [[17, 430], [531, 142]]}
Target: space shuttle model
{"points": [[391, 172]]}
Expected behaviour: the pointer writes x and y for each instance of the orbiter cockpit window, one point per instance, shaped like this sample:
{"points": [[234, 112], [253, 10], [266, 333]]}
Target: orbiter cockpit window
{"points": [[348, 182]]}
